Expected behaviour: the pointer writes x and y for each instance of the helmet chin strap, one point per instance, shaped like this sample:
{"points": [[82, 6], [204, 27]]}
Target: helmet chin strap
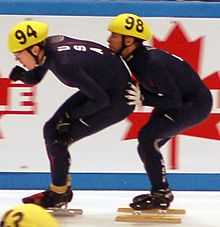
{"points": [[123, 46], [34, 56]]}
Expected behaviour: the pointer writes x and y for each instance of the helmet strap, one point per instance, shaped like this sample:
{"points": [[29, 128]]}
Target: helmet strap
{"points": [[137, 43], [36, 58], [33, 55], [123, 46]]}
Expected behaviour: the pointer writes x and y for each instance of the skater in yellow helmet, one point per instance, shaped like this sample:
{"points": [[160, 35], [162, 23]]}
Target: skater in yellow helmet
{"points": [[29, 36], [101, 79], [28, 215], [169, 85], [132, 29], [26, 34]]}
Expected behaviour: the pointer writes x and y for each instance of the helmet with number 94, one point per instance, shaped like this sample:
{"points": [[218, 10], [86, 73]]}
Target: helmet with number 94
{"points": [[131, 25], [26, 34], [28, 215]]}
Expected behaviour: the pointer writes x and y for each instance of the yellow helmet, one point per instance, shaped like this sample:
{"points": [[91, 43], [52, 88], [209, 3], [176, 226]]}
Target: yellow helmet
{"points": [[132, 25], [28, 215], [26, 34]]}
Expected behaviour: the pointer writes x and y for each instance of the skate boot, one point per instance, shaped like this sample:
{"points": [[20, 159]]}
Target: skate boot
{"points": [[50, 198], [159, 199], [141, 197]]}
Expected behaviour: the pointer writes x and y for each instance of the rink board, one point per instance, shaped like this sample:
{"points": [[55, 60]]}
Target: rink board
{"points": [[111, 181], [111, 8], [100, 180]]}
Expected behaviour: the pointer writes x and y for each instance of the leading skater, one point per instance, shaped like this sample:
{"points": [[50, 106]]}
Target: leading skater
{"points": [[102, 80], [170, 85]]}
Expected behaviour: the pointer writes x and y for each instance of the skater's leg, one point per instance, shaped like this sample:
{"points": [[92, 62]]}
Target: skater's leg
{"points": [[153, 162], [150, 141], [59, 133], [153, 136], [160, 196], [59, 192]]}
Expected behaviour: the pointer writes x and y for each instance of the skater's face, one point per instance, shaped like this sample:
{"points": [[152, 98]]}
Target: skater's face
{"points": [[26, 58], [115, 42], [121, 44]]}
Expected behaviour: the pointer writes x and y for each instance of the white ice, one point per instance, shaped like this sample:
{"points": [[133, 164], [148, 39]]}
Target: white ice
{"points": [[99, 208]]}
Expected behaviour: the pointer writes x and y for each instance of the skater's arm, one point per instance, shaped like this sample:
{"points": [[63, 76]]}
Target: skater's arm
{"points": [[32, 77], [97, 98], [160, 89]]}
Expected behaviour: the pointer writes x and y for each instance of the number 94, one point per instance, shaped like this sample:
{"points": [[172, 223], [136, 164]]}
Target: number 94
{"points": [[20, 35]]}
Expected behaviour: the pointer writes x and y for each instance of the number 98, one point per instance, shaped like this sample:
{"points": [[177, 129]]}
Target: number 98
{"points": [[131, 23]]}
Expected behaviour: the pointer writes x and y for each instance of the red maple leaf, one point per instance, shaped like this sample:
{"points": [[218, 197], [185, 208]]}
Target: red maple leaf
{"points": [[177, 43]]}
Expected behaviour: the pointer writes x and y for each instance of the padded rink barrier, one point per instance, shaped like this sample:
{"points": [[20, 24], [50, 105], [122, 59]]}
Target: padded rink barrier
{"points": [[110, 181], [110, 8]]}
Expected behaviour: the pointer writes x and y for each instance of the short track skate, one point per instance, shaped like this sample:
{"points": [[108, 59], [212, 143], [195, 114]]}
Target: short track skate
{"points": [[54, 203], [64, 211], [151, 215]]}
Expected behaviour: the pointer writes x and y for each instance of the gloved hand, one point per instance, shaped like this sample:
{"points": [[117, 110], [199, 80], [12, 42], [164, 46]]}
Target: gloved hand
{"points": [[17, 73], [134, 95]]}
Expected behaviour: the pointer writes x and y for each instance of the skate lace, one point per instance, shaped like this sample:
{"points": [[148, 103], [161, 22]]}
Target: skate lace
{"points": [[162, 194]]}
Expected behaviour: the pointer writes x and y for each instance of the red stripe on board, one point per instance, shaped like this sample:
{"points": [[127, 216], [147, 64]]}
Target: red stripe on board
{"points": [[173, 153]]}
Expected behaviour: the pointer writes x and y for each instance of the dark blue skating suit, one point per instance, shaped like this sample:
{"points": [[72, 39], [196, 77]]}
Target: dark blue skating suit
{"points": [[102, 80], [180, 100]]}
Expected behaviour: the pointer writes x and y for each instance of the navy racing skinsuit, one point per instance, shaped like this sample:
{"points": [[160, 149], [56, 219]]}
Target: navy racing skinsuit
{"points": [[101, 78], [180, 100]]}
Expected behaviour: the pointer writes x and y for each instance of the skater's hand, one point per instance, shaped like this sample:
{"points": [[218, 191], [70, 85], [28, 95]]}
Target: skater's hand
{"points": [[17, 73], [134, 95]]}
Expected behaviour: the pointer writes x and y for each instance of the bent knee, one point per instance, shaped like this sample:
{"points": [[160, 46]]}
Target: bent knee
{"points": [[49, 129]]}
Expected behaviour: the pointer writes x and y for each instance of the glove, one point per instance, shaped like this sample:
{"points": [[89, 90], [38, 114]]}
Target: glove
{"points": [[17, 73], [134, 95]]}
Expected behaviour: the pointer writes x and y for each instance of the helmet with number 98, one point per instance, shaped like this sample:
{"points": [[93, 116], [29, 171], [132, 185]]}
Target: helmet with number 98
{"points": [[131, 25], [26, 34], [28, 215]]}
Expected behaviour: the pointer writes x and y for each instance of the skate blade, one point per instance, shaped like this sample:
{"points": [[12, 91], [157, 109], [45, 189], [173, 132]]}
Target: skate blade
{"points": [[56, 211], [149, 219], [152, 211]]}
